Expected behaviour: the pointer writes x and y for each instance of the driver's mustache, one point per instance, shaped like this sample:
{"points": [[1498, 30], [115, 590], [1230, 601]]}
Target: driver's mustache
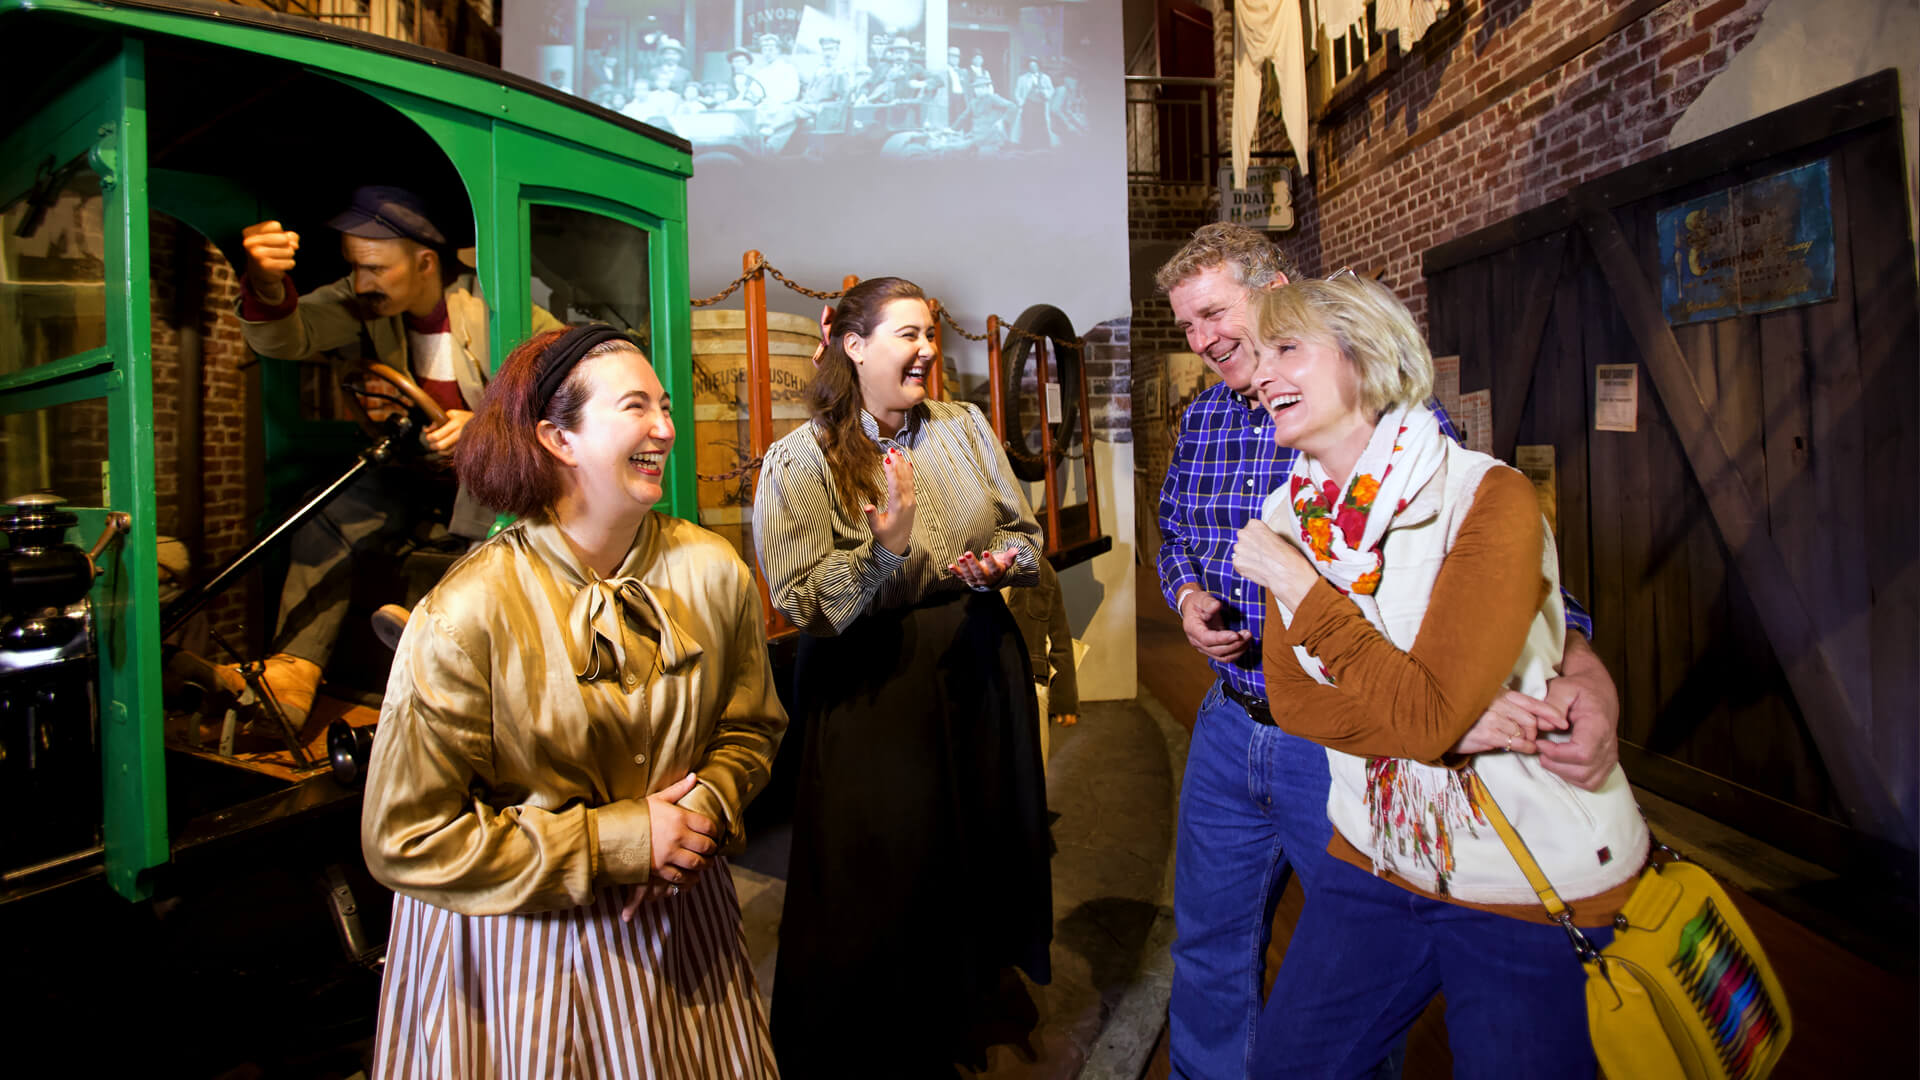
{"points": [[370, 301]]}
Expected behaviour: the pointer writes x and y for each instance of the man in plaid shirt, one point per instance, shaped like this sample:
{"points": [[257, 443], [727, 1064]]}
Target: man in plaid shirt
{"points": [[1253, 802]]}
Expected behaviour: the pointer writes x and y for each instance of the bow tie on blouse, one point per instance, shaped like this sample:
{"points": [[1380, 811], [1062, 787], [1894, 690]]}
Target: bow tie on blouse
{"points": [[603, 641]]}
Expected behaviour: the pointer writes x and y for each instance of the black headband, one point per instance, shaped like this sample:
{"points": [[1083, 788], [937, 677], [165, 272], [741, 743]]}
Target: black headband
{"points": [[564, 355]]}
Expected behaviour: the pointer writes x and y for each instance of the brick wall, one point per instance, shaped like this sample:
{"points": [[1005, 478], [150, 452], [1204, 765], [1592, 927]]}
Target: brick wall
{"points": [[222, 458], [1462, 134], [1160, 218], [1109, 372]]}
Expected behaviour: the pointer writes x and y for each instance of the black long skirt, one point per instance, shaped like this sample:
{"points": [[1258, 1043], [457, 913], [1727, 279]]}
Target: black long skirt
{"points": [[919, 865]]}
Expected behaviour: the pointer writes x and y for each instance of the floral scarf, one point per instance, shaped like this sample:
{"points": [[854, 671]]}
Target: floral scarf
{"points": [[1413, 807]]}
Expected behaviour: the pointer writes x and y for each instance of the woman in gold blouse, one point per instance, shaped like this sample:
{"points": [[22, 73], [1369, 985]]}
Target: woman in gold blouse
{"points": [[919, 866], [577, 716]]}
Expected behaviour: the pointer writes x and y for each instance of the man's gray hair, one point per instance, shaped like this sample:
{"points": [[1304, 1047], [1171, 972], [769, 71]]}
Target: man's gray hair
{"points": [[1255, 262]]}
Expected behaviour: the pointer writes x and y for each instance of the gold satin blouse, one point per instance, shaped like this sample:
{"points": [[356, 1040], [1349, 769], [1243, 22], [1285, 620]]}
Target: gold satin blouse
{"points": [[533, 705]]}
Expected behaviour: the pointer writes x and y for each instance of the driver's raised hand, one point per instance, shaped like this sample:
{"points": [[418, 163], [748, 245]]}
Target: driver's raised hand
{"points": [[270, 251]]}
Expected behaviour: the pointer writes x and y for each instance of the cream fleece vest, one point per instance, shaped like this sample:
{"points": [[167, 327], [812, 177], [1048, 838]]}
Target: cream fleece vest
{"points": [[1586, 841]]}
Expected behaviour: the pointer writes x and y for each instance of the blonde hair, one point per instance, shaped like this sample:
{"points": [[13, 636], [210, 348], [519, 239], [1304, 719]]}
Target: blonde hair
{"points": [[1254, 261], [1374, 331]]}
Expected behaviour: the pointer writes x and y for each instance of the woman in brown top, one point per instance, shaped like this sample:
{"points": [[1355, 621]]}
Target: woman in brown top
{"points": [[1427, 587], [577, 715]]}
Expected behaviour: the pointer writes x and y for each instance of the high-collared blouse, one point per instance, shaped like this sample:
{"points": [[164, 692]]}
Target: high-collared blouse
{"points": [[823, 567], [533, 706]]}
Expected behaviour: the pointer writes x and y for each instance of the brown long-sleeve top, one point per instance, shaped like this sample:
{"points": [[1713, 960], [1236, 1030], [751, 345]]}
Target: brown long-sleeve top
{"points": [[1418, 703], [534, 705]]}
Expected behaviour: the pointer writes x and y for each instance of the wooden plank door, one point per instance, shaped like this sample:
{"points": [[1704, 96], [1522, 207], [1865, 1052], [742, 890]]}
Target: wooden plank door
{"points": [[1813, 407]]}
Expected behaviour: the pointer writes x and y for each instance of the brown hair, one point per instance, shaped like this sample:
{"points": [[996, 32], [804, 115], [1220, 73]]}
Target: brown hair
{"points": [[834, 395], [500, 458], [1256, 263]]}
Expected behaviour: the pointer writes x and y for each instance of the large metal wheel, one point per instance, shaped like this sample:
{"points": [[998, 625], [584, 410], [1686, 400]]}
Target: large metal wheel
{"points": [[1023, 446]]}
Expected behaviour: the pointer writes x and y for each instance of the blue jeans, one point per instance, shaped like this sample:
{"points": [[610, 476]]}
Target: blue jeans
{"points": [[1368, 955], [1253, 805]]}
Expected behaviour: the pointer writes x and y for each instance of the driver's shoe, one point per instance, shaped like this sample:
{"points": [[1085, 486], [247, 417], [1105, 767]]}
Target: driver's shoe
{"points": [[389, 622], [292, 682]]}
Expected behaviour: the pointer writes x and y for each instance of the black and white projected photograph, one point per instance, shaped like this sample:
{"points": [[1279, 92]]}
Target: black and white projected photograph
{"points": [[851, 78]]}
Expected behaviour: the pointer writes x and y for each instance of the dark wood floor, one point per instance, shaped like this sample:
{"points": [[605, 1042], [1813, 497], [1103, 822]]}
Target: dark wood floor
{"points": [[1851, 1017]]}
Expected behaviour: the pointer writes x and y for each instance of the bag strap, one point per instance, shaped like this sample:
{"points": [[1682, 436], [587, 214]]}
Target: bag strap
{"points": [[1549, 898]]}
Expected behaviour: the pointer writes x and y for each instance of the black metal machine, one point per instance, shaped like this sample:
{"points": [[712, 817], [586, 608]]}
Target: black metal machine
{"points": [[49, 718]]}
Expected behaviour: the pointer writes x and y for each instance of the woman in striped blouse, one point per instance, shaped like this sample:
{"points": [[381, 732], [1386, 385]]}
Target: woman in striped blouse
{"points": [[578, 713], [885, 527]]}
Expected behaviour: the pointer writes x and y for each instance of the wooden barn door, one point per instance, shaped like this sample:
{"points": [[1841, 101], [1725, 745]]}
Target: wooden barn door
{"points": [[1750, 554]]}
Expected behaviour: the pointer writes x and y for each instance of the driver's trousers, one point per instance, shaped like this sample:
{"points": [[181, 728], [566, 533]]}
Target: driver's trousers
{"points": [[380, 509]]}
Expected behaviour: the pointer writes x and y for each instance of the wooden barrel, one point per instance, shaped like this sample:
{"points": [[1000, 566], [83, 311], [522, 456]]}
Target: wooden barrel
{"points": [[722, 427]]}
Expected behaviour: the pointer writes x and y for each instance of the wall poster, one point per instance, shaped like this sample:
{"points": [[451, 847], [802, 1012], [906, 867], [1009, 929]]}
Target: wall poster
{"points": [[1616, 397], [1475, 421], [1764, 245]]}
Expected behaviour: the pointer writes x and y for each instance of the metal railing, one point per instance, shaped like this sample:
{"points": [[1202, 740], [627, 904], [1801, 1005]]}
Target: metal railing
{"points": [[1170, 129]]}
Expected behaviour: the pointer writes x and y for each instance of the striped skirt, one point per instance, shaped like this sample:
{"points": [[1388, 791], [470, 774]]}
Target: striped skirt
{"points": [[574, 993]]}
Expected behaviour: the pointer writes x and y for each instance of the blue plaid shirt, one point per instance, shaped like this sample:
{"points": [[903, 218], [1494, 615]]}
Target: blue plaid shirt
{"points": [[1224, 465]]}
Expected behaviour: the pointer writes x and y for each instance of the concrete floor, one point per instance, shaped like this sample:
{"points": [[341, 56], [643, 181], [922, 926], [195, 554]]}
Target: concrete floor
{"points": [[1111, 779]]}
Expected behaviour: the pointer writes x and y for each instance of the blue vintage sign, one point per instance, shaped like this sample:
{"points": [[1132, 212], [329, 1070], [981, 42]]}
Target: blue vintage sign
{"points": [[1764, 245]]}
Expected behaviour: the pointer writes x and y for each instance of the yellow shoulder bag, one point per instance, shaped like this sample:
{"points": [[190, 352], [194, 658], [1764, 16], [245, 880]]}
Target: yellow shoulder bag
{"points": [[1684, 992]]}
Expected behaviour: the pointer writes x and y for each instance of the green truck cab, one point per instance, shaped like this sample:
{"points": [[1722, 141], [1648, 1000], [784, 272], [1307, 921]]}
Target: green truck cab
{"points": [[219, 117]]}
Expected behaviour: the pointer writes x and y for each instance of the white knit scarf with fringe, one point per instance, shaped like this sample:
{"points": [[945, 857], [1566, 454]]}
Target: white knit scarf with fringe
{"points": [[1413, 808]]}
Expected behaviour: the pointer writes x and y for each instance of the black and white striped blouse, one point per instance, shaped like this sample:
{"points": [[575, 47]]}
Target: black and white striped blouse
{"points": [[822, 565]]}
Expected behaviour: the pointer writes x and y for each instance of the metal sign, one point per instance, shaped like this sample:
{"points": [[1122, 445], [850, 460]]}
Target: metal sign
{"points": [[1764, 245], [1265, 203]]}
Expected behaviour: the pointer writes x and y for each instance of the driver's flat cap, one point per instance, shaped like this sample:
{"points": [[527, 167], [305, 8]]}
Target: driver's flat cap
{"points": [[387, 213]]}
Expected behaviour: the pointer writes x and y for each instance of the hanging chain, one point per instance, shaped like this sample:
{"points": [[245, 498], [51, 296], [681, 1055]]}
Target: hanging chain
{"points": [[799, 288], [761, 264], [961, 330], [732, 286]]}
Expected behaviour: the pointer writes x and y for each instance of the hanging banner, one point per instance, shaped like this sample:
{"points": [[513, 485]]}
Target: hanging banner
{"points": [[1265, 203]]}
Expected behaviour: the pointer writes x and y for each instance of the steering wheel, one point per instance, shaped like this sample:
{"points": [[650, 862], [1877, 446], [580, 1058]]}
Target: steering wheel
{"points": [[352, 384]]}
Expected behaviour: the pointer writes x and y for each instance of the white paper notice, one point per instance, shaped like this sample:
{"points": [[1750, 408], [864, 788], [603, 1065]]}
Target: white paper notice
{"points": [[1475, 420], [1053, 401], [1616, 397], [1446, 383]]}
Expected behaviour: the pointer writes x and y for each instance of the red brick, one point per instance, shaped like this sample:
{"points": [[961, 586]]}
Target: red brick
{"points": [[1693, 46], [1713, 13]]}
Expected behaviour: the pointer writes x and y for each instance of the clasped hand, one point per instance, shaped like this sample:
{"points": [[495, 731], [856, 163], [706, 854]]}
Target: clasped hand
{"points": [[683, 843], [1265, 558], [1514, 723], [985, 570]]}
